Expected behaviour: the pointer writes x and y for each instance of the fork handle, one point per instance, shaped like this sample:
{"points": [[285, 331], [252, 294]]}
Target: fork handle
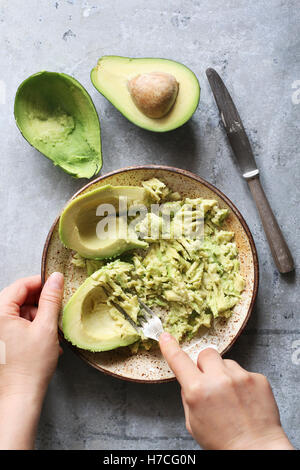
{"points": [[279, 249]]}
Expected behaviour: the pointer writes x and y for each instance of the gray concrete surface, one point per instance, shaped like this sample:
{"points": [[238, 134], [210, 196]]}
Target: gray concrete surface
{"points": [[256, 48]]}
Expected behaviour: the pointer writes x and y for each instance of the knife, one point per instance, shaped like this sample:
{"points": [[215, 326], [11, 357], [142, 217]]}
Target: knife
{"points": [[242, 150]]}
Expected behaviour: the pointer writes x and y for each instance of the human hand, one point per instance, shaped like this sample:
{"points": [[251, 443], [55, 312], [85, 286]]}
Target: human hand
{"points": [[225, 406], [28, 329]]}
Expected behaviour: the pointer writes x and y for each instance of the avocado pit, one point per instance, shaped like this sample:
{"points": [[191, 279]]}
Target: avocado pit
{"points": [[154, 93]]}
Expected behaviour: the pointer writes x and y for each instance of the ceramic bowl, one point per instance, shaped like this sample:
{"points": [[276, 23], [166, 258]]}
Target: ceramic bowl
{"points": [[150, 366]]}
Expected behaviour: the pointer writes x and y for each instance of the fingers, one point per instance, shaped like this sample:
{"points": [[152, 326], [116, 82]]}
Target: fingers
{"points": [[50, 301], [180, 363], [210, 361], [15, 295], [241, 377], [28, 312], [186, 413], [233, 366]]}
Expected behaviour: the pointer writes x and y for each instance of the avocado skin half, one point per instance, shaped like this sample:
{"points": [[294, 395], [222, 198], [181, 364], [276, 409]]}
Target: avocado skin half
{"points": [[78, 222], [56, 115], [95, 330], [112, 73]]}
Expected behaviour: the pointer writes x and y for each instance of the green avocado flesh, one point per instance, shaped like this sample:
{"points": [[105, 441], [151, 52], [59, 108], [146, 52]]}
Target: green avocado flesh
{"points": [[188, 281], [89, 323], [78, 222], [112, 75], [56, 115]]}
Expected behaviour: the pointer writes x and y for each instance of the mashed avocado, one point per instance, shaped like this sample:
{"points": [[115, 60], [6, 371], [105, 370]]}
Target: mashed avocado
{"points": [[188, 281]]}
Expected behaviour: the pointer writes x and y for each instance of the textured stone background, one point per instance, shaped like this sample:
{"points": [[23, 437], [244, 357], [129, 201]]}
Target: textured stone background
{"points": [[255, 46]]}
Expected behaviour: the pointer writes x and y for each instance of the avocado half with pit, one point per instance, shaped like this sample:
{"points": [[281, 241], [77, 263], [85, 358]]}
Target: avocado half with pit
{"points": [[95, 224], [56, 115], [155, 94], [89, 323]]}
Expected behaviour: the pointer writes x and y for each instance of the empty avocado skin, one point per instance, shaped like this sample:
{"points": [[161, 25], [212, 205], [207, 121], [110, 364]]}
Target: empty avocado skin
{"points": [[56, 115], [78, 222], [112, 75]]}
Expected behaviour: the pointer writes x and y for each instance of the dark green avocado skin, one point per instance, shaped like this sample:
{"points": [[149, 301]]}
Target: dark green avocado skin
{"points": [[56, 115]]}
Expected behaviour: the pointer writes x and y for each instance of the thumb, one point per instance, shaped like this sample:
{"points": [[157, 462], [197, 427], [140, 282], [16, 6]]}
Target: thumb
{"points": [[50, 300]]}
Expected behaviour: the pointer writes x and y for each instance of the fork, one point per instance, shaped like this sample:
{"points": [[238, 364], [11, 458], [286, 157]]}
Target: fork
{"points": [[150, 323]]}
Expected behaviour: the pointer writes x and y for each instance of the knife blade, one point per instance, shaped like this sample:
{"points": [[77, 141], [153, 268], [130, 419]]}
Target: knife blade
{"points": [[233, 125], [244, 156]]}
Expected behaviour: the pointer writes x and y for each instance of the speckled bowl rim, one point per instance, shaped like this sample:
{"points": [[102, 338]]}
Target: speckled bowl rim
{"points": [[210, 186]]}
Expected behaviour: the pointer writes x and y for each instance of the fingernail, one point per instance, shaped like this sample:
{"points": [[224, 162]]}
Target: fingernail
{"points": [[56, 281], [165, 337]]}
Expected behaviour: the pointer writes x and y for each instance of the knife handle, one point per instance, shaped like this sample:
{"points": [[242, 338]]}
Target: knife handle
{"points": [[279, 249]]}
